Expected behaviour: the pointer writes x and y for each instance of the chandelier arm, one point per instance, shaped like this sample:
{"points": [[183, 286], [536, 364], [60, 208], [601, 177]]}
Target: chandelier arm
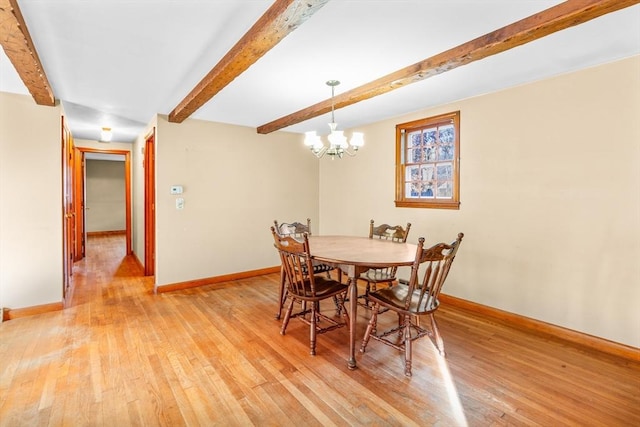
{"points": [[320, 154]]}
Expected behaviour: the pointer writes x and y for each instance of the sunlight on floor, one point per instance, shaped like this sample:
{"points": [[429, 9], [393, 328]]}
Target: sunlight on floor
{"points": [[452, 392]]}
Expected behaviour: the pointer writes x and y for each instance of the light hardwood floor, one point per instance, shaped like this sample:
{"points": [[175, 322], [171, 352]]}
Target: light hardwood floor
{"points": [[214, 356]]}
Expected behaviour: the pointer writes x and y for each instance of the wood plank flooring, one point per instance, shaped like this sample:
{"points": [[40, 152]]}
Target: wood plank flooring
{"points": [[213, 355]]}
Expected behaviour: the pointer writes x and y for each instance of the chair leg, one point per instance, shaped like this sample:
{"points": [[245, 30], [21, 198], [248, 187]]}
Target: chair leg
{"points": [[371, 327], [282, 295], [401, 322], [337, 304], [287, 317], [367, 290], [436, 334], [313, 332], [344, 309], [335, 299], [407, 346]]}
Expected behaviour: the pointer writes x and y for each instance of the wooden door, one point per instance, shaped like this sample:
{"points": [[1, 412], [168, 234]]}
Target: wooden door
{"points": [[68, 222], [149, 206], [78, 197]]}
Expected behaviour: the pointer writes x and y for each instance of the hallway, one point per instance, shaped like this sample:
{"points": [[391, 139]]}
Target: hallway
{"points": [[106, 272]]}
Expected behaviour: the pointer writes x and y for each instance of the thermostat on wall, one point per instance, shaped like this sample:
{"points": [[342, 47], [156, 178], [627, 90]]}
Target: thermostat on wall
{"points": [[176, 189]]}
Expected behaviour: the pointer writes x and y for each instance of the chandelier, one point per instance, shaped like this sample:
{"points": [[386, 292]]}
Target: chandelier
{"points": [[338, 145]]}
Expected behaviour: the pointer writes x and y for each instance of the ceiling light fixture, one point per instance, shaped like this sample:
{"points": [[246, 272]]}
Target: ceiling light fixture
{"points": [[105, 135], [338, 145]]}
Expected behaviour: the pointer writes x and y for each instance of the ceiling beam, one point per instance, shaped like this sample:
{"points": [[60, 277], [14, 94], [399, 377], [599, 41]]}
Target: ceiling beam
{"points": [[19, 48], [278, 21], [557, 18]]}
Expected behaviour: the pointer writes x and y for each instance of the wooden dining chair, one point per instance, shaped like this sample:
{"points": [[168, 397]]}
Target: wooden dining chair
{"points": [[374, 276], [420, 297], [307, 288], [296, 230]]}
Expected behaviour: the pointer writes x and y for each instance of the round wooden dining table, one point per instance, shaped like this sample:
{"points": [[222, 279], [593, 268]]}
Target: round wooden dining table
{"points": [[353, 256]]}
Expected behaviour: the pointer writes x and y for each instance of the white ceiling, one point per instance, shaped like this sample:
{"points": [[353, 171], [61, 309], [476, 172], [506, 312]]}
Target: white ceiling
{"points": [[117, 63]]}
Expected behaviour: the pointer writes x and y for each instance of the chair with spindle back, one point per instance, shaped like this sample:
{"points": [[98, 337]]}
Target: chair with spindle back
{"points": [[374, 276], [307, 288], [296, 230], [419, 297]]}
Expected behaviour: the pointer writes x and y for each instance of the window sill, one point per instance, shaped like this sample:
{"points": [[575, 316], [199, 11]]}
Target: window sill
{"points": [[428, 205]]}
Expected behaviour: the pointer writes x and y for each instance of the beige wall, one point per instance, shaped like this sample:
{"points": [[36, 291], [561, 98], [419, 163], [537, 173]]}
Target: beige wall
{"points": [[550, 189], [236, 182], [30, 202], [103, 146], [105, 202]]}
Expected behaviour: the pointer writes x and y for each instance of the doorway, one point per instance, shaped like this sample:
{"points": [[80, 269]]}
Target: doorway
{"points": [[82, 155]]}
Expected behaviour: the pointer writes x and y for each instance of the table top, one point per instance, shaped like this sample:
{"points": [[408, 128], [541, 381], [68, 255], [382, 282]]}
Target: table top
{"points": [[362, 251]]}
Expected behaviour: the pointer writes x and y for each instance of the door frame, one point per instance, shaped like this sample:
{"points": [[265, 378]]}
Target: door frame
{"points": [[79, 196], [78, 199], [150, 203]]}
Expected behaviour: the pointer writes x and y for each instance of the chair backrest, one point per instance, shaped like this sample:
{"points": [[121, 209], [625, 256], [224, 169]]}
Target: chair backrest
{"points": [[436, 262], [295, 229], [387, 232], [296, 263]]}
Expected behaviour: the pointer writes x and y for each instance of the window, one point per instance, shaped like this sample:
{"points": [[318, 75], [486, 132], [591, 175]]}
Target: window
{"points": [[428, 163]]}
